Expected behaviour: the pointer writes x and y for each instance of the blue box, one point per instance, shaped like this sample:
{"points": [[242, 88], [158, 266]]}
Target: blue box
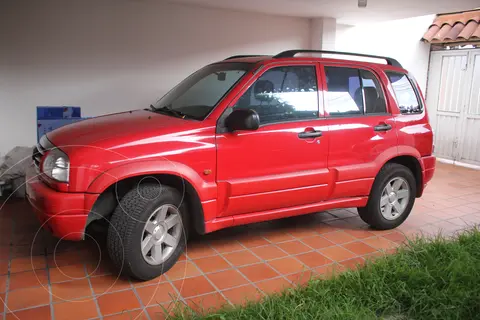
{"points": [[45, 126], [60, 112]]}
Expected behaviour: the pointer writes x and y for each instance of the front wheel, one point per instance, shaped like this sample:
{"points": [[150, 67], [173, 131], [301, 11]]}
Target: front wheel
{"points": [[391, 198], [147, 234]]}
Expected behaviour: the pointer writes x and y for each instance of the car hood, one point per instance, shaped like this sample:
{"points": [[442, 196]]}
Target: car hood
{"points": [[112, 130]]}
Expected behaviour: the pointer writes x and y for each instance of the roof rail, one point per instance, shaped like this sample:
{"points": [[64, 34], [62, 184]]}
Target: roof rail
{"points": [[245, 56], [292, 53]]}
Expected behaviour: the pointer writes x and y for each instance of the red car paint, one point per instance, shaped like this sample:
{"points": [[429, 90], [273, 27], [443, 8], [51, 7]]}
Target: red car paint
{"points": [[240, 177]]}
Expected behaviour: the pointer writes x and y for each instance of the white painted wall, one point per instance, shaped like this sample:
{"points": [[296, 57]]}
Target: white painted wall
{"points": [[109, 56], [399, 39]]}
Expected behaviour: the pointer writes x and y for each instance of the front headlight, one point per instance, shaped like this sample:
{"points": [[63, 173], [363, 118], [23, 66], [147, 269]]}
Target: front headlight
{"points": [[56, 165]]}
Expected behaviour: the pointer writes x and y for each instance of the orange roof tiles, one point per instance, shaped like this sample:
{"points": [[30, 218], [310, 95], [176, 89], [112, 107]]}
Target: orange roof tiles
{"points": [[454, 27]]}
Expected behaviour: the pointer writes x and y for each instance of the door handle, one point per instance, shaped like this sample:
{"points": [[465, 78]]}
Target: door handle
{"points": [[382, 127], [309, 134]]}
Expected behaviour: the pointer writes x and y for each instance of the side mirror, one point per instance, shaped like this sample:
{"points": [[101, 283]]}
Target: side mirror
{"points": [[242, 119]]}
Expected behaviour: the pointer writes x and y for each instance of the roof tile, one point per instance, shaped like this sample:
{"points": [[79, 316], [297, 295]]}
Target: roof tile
{"points": [[454, 27]]}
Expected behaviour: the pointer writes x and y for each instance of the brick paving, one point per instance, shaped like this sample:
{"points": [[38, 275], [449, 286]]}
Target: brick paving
{"points": [[43, 278]]}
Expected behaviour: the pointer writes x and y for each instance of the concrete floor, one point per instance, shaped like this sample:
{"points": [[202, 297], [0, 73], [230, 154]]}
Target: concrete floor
{"points": [[43, 278]]}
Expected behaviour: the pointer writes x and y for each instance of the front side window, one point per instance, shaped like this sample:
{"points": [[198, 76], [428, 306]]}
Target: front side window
{"points": [[196, 96], [352, 91], [283, 94], [407, 99]]}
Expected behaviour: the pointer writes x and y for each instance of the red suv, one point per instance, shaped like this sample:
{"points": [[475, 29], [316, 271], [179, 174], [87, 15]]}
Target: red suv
{"points": [[243, 140]]}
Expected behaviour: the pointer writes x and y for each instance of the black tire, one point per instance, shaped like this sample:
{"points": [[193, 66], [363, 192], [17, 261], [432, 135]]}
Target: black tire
{"points": [[126, 230], [371, 213]]}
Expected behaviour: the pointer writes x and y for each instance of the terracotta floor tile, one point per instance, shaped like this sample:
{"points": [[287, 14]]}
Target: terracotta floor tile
{"points": [[380, 243], [117, 302], [287, 265], [268, 252], [337, 253], [97, 269], [338, 237], [157, 294], [40, 313], [324, 228], [160, 279], [243, 294], [227, 279], [313, 259], [396, 236], [273, 285], [206, 303], [75, 310], [3, 284], [241, 258], [162, 312], [353, 263], [254, 241], [294, 247], [71, 290], [60, 259], [199, 251], [26, 298], [317, 242], [330, 270], [227, 246], [360, 233], [182, 269], [258, 272], [193, 286], [301, 278], [108, 283], [211, 264], [300, 233], [129, 315], [27, 279], [278, 236], [67, 273], [360, 248], [27, 263], [4, 267]]}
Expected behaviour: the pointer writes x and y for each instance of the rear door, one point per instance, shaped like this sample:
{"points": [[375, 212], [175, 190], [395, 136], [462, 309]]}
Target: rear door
{"points": [[284, 162], [361, 127]]}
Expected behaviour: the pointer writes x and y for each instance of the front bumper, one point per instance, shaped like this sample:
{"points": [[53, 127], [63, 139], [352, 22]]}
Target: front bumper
{"points": [[63, 214]]}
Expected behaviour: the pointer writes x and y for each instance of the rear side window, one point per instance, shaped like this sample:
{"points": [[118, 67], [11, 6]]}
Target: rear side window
{"points": [[352, 91], [407, 98]]}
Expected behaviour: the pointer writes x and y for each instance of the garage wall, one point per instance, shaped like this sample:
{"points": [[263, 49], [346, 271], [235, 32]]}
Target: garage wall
{"points": [[108, 56], [399, 39]]}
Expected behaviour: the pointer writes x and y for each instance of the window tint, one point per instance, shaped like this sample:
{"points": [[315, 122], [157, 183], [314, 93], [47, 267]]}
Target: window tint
{"points": [[407, 99], [344, 91], [283, 94], [353, 91], [373, 93], [198, 94]]}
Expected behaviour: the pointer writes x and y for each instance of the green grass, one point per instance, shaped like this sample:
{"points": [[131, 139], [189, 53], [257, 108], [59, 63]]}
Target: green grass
{"points": [[436, 279]]}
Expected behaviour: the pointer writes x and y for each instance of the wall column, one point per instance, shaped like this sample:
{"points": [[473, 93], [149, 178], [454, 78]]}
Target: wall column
{"points": [[322, 33]]}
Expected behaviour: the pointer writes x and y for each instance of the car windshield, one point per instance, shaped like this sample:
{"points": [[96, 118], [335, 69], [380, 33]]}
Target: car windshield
{"points": [[196, 96]]}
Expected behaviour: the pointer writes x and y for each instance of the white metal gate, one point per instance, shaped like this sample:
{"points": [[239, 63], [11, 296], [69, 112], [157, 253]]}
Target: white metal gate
{"points": [[453, 101]]}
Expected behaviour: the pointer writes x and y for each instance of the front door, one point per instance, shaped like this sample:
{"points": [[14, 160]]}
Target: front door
{"points": [[361, 128], [284, 162]]}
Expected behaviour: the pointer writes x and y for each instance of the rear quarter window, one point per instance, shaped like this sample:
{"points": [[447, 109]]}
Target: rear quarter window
{"points": [[408, 99]]}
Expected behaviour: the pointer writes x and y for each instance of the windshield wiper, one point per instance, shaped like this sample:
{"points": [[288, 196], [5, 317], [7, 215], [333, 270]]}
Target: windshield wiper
{"points": [[167, 110]]}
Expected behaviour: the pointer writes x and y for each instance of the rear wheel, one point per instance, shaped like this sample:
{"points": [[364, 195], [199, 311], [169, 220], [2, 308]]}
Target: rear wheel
{"points": [[148, 231], [391, 199]]}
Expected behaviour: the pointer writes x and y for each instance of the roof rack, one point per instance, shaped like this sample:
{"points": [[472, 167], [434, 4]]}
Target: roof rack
{"points": [[245, 56], [292, 53]]}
